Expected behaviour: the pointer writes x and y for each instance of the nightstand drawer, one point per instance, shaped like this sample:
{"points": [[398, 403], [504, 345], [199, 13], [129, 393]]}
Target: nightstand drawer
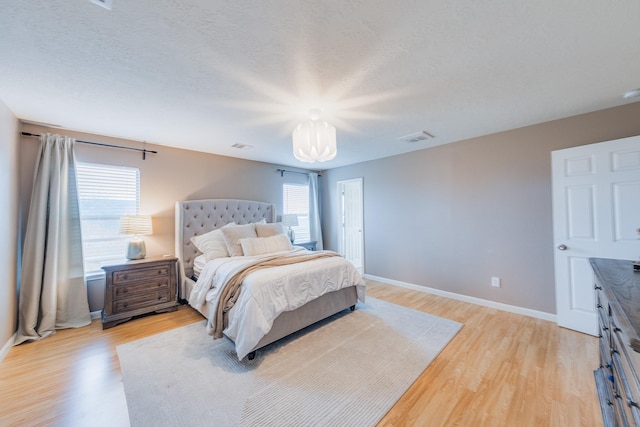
{"points": [[139, 274], [128, 291], [135, 302]]}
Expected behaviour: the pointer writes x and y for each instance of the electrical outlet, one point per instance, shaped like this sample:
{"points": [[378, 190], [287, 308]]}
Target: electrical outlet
{"points": [[495, 282]]}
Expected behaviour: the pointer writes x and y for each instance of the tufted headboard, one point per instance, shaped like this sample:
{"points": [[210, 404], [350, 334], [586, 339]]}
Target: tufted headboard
{"points": [[195, 217]]}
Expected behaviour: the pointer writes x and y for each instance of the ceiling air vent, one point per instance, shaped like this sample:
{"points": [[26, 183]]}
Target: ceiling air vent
{"points": [[104, 3], [242, 146], [416, 137]]}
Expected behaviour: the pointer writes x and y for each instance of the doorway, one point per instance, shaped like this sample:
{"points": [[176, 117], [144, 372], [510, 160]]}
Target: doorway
{"points": [[350, 221]]}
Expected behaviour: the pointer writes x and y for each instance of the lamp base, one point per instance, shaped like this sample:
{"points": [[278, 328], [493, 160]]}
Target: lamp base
{"points": [[136, 249], [291, 234]]}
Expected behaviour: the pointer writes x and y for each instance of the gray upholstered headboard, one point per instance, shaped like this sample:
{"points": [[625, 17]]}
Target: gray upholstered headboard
{"points": [[195, 217]]}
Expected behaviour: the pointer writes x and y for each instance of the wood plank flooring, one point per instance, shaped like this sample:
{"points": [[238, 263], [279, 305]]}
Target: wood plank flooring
{"points": [[502, 369]]}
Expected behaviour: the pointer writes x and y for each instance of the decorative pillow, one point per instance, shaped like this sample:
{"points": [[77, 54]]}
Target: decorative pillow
{"points": [[199, 263], [265, 245], [236, 232], [268, 230], [211, 244]]}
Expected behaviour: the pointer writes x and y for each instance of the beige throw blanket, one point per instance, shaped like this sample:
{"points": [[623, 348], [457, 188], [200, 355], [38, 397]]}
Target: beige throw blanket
{"points": [[231, 291]]}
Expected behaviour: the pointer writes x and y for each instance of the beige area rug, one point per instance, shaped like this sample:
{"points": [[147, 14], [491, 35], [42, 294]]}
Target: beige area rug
{"points": [[348, 370]]}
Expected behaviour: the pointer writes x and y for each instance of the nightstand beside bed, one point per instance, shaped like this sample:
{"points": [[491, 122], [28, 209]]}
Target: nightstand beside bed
{"points": [[139, 287], [307, 245]]}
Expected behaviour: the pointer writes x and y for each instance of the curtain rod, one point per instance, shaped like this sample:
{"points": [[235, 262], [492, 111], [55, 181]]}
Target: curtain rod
{"points": [[143, 150], [283, 171]]}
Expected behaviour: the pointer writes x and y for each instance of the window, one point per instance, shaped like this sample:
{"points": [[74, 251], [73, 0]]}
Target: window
{"points": [[105, 193], [296, 201]]}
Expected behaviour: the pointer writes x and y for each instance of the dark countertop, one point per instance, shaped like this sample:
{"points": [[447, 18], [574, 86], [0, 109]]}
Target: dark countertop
{"points": [[622, 286]]}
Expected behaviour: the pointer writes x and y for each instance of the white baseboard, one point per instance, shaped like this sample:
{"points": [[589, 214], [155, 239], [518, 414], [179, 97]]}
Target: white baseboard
{"points": [[473, 300], [96, 314], [7, 346]]}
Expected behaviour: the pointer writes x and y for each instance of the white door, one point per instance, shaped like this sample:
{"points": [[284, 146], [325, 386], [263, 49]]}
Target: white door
{"points": [[596, 213], [350, 222]]}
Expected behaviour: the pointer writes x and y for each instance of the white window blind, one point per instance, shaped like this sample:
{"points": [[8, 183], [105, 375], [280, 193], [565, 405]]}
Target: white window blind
{"points": [[105, 193], [296, 201]]}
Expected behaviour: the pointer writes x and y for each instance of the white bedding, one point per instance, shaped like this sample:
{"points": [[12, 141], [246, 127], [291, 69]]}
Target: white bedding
{"points": [[268, 292]]}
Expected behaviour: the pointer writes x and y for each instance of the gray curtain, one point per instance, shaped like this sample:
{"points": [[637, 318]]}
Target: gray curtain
{"points": [[53, 294], [315, 228]]}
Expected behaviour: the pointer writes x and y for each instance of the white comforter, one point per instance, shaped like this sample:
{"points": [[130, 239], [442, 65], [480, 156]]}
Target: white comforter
{"points": [[268, 292]]}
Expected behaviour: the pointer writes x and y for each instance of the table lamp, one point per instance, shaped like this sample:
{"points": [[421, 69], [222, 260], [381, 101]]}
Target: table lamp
{"points": [[290, 220], [136, 225]]}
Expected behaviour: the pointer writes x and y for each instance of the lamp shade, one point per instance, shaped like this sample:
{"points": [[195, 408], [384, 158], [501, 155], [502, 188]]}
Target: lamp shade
{"points": [[314, 141], [290, 220], [139, 225]]}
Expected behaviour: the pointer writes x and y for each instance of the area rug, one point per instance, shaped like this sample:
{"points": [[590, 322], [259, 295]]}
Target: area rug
{"points": [[348, 370]]}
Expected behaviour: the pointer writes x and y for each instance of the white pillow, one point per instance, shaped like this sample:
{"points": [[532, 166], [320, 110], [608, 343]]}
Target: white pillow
{"points": [[268, 230], [265, 245], [234, 233], [212, 243], [198, 264]]}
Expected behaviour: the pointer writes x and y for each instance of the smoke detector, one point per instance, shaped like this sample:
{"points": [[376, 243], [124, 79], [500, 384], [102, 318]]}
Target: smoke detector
{"points": [[104, 3], [416, 137]]}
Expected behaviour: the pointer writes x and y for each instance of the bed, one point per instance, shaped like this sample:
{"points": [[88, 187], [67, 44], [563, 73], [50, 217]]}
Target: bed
{"points": [[330, 282]]}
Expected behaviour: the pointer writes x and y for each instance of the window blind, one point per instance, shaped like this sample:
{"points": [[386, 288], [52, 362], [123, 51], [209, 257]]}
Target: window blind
{"points": [[105, 193], [296, 201]]}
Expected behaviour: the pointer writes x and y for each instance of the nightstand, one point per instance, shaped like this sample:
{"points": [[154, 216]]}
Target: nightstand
{"points": [[139, 287], [307, 245]]}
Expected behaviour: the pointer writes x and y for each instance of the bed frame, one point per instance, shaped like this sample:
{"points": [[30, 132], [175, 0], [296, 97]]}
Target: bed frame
{"points": [[197, 217]]}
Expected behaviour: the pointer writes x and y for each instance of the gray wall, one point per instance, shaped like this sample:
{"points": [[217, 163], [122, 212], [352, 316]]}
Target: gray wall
{"points": [[449, 217], [8, 223], [452, 216]]}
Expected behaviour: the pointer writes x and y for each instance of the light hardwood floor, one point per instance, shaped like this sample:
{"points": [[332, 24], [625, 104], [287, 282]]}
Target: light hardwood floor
{"points": [[502, 369]]}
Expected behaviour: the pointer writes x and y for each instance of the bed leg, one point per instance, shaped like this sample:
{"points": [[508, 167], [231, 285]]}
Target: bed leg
{"points": [[352, 308], [251, 355]]}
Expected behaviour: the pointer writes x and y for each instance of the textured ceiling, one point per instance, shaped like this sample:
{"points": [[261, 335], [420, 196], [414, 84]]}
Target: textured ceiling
{"points": [[204, 74]]}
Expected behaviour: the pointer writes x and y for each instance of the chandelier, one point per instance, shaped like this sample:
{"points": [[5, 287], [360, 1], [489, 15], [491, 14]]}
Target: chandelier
{"points": [[314, 140]]}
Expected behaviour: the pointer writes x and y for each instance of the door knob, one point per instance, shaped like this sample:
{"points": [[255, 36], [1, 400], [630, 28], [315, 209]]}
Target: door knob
{"points": [[562, 247]]}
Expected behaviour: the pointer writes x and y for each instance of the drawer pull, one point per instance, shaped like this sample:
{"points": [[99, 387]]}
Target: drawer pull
{"points": [[626, 388], [124, 291]]}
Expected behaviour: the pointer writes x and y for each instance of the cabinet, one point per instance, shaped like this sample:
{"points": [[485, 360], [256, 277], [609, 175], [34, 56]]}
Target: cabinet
{"points": [[307, 245], [618, 306], [139, 287]]}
